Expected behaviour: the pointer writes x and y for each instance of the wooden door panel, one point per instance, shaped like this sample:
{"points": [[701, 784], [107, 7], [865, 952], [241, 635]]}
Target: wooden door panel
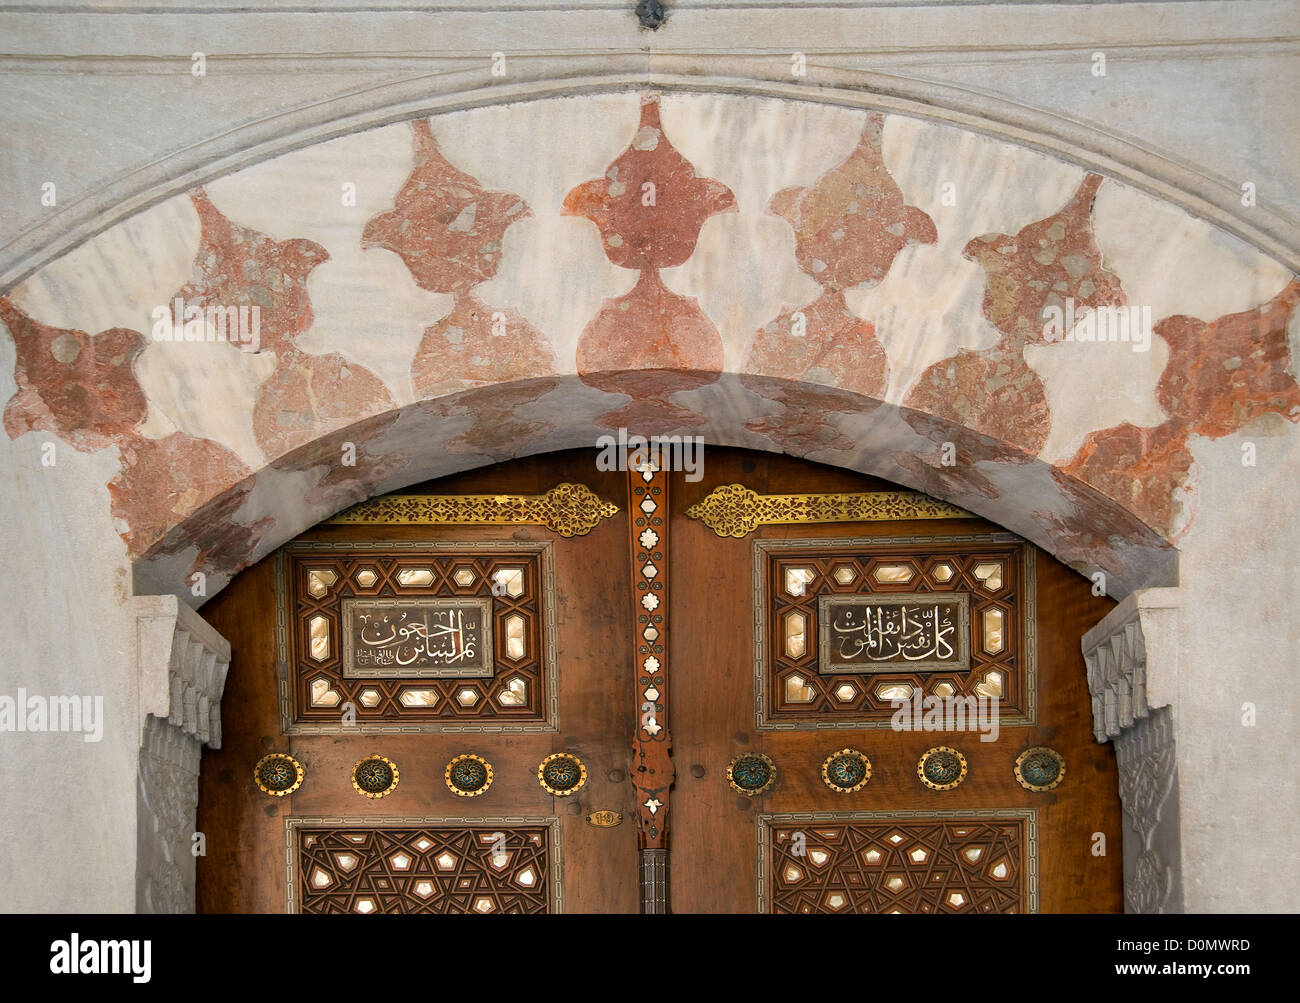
{"points": [[726, 849], [714, 714], [244, 869]]}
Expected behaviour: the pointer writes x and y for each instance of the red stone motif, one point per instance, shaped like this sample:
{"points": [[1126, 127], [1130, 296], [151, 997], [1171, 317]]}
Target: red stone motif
{"points": [[78, 386], [306, 394], [852, 223], [994, 391], [962, 478], [849, 228], [212, 538], [805, 421], [238, 266], [340, 485], [825, 342], [649, 208], [1047, 262], [163, 482], [83, 388], [181, 495], [500, 424], [1220, 377], [448, 229]]}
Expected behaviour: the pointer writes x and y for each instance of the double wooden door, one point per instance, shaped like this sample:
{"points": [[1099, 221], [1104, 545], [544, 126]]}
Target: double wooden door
{"points": [[502, 694]]}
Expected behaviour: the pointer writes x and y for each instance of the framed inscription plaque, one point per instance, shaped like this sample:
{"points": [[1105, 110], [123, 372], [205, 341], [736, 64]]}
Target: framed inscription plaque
{"points": [[380, 637], [845, 627], [392, 638], [892, 632]]}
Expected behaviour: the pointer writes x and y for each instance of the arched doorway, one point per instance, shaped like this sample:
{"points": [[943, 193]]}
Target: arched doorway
{"points": [[768, 810]]}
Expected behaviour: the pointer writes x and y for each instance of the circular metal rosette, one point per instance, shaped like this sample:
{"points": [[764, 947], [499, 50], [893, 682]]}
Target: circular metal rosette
{"points": [[278, 774], [751, 773], [1040, 768], [375, 776], [941, 768], [846, 771], [561, 774], [468, 776]]}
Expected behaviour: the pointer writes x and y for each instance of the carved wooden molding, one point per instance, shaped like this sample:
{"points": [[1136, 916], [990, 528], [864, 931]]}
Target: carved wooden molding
{"points": [[1132, 659], [735, 510], [567, 509]]}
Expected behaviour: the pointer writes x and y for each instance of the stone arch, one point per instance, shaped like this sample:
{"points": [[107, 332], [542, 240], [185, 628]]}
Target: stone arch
{"points": [[519, 418], [189, 492]]}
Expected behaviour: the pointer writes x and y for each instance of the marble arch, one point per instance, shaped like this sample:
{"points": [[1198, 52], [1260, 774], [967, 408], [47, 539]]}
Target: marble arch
{"points": [[854, 286]]}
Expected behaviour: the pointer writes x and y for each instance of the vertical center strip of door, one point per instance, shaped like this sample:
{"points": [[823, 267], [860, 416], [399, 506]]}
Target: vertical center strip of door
{"points": [[652, 766]]}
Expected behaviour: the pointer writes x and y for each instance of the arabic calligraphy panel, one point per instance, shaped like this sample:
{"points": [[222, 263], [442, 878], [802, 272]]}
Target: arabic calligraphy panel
{"points": [[417, 638], [942, 616], [916, 631], [358, 623]]}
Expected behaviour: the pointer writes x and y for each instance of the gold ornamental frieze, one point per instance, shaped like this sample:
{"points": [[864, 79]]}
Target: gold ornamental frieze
{"points": [[735, 510], [568, 509]]}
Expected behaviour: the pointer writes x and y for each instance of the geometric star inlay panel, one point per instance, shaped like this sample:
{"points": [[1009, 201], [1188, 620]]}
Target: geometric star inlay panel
{"points": [[898, 862], [431, 866]]}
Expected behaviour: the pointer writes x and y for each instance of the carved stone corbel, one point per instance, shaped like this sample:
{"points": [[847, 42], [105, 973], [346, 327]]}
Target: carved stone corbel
{"points": [[181, 668], [1132, 660]]}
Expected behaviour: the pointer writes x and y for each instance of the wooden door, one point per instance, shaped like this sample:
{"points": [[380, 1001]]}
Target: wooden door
{"points": [[987, 844], [598, 662], [559, 686]]}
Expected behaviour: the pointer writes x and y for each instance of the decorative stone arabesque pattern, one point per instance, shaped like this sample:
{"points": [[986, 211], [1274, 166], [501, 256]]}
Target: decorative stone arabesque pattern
{"points": [[182, 673], [1132, 659], [1148, 788]]}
